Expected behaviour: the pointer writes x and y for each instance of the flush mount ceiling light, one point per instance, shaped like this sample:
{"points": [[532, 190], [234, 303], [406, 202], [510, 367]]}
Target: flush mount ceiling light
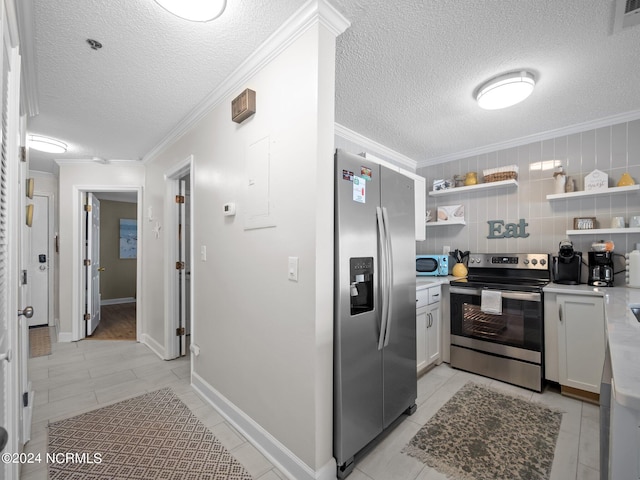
{"points": [[46, 144], [505, 90], [194, 10]]}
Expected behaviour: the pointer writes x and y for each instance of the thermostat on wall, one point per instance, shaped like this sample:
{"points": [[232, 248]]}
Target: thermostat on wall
{"points": [[229, 209]]}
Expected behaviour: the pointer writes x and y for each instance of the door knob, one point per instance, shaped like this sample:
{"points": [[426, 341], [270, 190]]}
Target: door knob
{"points": [[4, 438], [101, 269], [27, 312]]}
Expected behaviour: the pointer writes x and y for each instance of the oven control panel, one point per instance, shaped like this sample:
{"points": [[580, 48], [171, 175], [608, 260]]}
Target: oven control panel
{"points": [[530, 261]]}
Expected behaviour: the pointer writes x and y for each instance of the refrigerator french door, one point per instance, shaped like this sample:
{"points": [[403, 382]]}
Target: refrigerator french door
{"points": [[375, 302]]}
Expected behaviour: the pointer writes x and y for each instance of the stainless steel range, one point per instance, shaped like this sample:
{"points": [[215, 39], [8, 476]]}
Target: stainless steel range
{"points": [[497, 318]]}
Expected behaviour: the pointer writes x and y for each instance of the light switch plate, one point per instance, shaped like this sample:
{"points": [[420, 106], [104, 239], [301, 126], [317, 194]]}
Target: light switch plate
{"points": [[293, 269]]}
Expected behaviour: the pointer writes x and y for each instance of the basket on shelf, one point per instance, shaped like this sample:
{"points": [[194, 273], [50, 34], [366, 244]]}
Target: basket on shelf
{"points": [[510, 172]]}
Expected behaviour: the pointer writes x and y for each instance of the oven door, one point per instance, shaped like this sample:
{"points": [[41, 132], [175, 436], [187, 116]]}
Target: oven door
{"points": [[517, 333]]}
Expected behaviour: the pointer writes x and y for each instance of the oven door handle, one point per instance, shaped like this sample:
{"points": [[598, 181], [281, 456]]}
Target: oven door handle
{"points": [[476, 292]]}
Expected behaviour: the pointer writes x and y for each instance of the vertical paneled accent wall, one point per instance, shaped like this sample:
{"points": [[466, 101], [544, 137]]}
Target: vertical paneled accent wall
{"points": [[613, 150]]}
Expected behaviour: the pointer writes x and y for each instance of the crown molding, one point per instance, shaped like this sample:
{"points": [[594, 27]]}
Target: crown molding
{"points": [[97, 161], [538, 137], [374, 147], [311, 13], [27, 37]]}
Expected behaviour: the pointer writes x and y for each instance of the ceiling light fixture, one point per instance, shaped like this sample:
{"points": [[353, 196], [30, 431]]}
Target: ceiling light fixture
{"points": [[46, 144], [505, 90], [194, 10]]}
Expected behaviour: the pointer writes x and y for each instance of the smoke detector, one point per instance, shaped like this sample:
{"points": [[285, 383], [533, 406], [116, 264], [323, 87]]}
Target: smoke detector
{"points": [[627, 14]]}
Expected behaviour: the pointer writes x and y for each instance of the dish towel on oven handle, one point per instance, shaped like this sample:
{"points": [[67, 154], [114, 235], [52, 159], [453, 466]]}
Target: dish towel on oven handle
{"points": [[491, 302]]}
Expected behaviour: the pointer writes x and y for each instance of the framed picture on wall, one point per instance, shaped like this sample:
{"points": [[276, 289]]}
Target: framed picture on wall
{"points": [[128, 238]]}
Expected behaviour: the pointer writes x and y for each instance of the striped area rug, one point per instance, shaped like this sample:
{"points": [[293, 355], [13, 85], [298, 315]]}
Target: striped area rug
{"points": [[153, 436]]}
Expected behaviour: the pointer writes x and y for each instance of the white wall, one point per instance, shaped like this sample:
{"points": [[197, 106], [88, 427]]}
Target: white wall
{"points": [[72, 178], [266, 342]]}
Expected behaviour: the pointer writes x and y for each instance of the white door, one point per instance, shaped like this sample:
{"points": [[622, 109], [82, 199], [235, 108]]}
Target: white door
{"points": [[92, 263], [11, 220], [181, 268], [38, 262]]}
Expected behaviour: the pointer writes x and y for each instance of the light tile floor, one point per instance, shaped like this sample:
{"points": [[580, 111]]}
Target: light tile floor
{"points": [[82, 376]]}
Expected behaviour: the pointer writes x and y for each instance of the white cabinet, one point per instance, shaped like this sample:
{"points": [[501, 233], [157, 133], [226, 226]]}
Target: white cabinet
{"points": [[624, 442], [581, 341], [428, 324]]}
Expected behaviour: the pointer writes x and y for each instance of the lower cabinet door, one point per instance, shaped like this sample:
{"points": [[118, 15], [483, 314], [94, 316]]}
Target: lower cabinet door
{"points": [[581, 341]]}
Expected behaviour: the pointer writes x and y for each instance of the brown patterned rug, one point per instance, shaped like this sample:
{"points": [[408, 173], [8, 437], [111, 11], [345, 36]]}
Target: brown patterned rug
{"points": [[39, 342], [153, 436], [483, 434]]}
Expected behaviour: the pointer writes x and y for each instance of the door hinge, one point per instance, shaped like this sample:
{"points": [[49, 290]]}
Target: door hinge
{"points": [[24, 278], [25, 399], [179, 265], [87, 316], [87, 262], [23, 154], [179, 331], [179, 198], [87, 208]]}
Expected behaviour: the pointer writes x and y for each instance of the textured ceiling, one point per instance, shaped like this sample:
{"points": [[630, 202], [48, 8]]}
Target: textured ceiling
{"points": [[406, 71]]}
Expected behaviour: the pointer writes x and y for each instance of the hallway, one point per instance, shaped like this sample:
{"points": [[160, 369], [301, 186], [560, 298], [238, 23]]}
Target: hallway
{"points": [[82, 376]]}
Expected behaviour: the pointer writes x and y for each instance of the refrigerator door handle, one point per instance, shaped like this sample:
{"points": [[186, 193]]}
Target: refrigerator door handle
{"points": [[382, 267], [389, 258]]}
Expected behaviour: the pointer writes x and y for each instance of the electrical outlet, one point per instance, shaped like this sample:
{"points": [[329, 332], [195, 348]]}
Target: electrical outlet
{"points": [[446, 249]]}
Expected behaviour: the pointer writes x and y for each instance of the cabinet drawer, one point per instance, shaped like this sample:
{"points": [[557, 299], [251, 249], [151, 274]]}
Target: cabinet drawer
{"points": [[434, 295], [422, 297]]}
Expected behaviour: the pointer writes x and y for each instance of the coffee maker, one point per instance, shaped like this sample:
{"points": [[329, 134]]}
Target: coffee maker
{"points": [[601, 269], [567, 265]]}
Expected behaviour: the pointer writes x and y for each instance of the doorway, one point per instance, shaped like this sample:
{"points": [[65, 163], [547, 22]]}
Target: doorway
{"points": [[110, 264], [178, 218], [40, 265], [117, 250]]}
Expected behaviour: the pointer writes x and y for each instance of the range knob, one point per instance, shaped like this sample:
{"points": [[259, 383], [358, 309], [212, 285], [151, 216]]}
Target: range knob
{"points": [[534, 261], [543, 262], [526, 261]]}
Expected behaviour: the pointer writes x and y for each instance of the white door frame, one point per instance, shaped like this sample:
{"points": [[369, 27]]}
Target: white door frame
{"points": [[172, 177], [77, 304]]}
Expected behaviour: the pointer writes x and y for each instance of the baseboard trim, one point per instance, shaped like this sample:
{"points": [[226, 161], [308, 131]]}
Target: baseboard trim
{"points": [[154, 346], [117, 301], [279, 455], [573, 392], [65, 337]]}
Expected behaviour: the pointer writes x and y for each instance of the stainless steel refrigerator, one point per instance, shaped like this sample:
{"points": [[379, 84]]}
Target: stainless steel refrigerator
{"points": [[374, 303]]}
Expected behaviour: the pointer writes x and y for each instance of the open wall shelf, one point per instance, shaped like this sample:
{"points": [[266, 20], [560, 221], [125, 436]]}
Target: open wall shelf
{"points": [[471, 188], [595, 193]]}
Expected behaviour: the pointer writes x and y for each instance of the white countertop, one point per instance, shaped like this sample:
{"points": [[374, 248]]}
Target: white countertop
{"points": [[623, 336], [426, 282]]}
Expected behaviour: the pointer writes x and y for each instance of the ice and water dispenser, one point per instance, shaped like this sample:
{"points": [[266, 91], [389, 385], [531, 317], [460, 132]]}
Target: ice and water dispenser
{"points": [[361, 279]]}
